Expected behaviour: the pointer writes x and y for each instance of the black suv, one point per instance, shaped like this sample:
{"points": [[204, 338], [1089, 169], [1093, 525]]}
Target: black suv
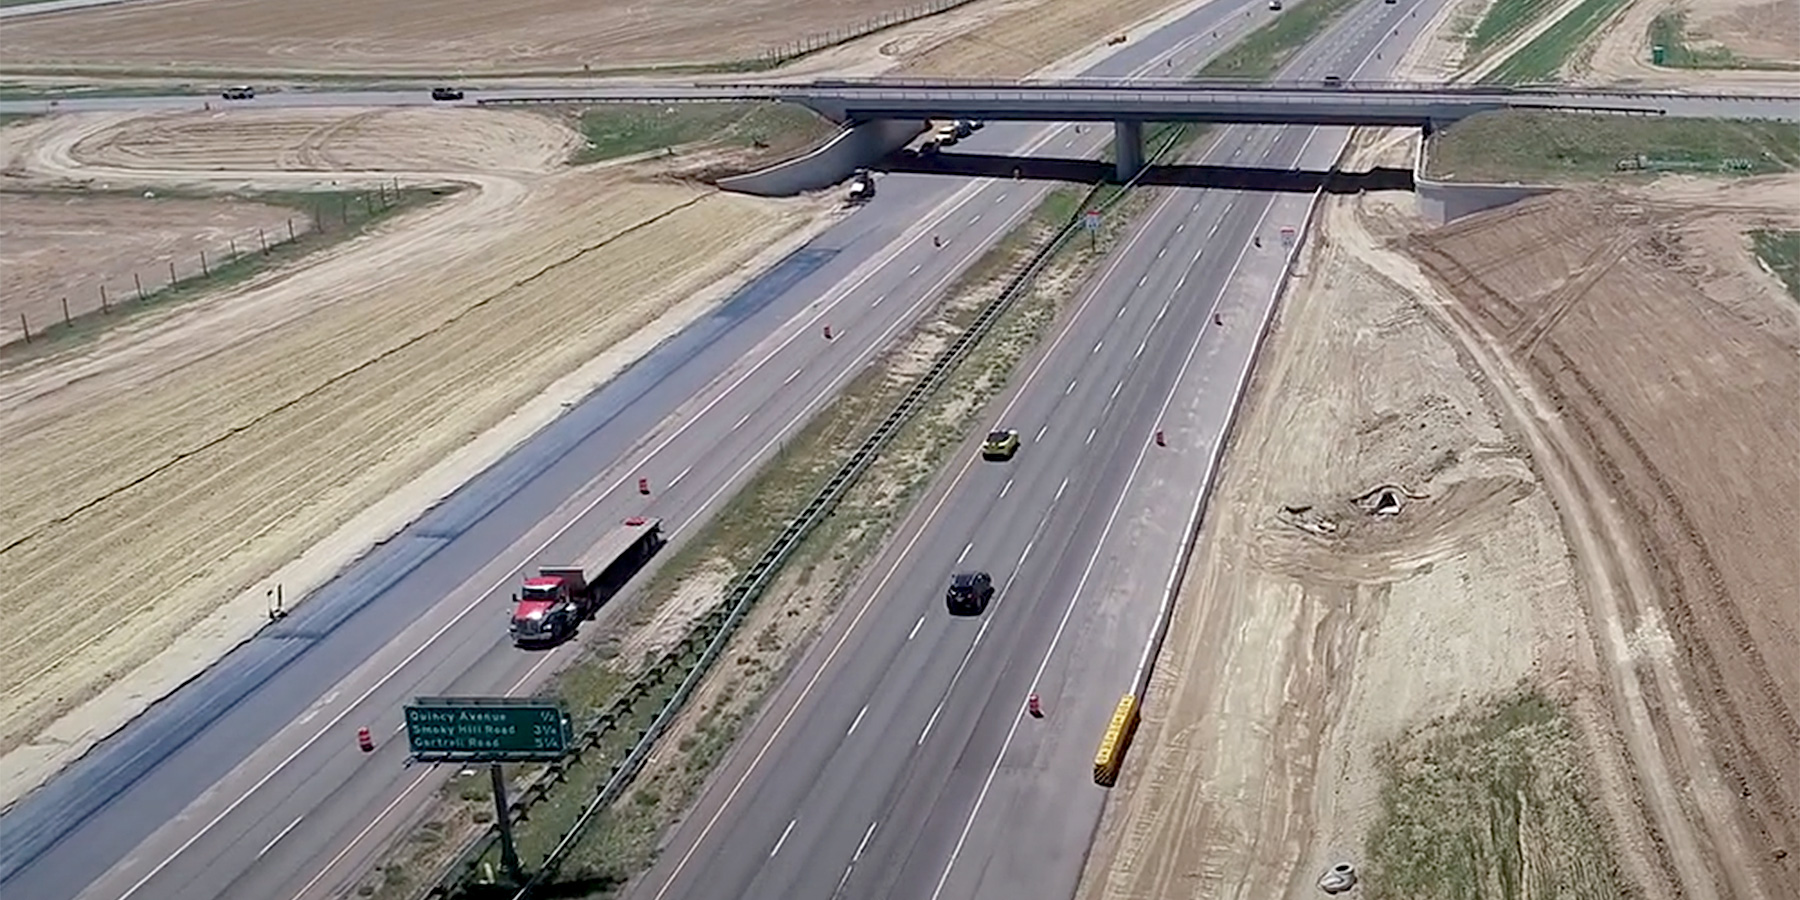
{"points": [[446, 93], [969, 593]]}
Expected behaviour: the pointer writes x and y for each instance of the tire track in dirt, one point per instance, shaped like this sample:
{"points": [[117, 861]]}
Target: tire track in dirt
{"points": [[270, 412]]}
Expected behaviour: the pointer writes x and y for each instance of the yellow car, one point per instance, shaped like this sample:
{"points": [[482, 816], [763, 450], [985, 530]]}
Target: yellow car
{"points": [[1000, 445]]}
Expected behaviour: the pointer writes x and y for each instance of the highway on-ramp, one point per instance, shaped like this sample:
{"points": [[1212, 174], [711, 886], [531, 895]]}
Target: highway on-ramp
{"points": [[247, 782], [899, 761]]}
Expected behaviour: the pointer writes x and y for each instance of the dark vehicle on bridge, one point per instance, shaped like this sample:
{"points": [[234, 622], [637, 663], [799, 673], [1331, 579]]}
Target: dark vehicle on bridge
{"points": [[446, 93], [1334, 81], [969, 593], [554, 603], [240, 92]]}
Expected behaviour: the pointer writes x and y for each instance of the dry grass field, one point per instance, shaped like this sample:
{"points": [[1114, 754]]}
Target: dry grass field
{"points": [[202, 451], [433, 36]]}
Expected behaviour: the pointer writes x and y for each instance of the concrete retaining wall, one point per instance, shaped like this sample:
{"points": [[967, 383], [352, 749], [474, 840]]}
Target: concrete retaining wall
{"points": [[857, 145], [1443, 202]]}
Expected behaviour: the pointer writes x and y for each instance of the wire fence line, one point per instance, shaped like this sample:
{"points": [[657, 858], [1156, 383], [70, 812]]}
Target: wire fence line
{"points": [[325, 215], [813, 43]]}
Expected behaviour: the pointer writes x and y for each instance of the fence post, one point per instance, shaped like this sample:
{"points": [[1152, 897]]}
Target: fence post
{"points": [[66, 311], [171, 272], [140, 286], [204, 271], [263, 240], [234, 249], [290, 228], [103, 306], [25, 325], [344, 211]]}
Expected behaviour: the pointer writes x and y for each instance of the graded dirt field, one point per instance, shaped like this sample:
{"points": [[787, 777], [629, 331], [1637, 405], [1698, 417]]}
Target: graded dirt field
{"points": [[439, 36], [1756, 32], [272, 433], [58, 246], [1490, 499]]}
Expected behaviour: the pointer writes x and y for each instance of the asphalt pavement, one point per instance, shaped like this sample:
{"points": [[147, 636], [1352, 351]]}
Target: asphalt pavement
{"points": [[247, 782], [899, 761]]}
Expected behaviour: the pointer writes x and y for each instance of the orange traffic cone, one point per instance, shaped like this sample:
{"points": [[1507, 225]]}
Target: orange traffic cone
{"points": [[1032, 706], [364, 739]]}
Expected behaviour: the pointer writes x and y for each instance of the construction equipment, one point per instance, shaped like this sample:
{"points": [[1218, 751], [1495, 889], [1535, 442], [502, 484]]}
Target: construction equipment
{"points": [[862, 188], [552, 605]]}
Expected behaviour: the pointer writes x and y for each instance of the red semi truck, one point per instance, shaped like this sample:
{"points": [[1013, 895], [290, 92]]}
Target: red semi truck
{"points": [[552, 605]]}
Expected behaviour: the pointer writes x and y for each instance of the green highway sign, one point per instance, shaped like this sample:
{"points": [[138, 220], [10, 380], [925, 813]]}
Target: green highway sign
{"points": [[486, 729]]}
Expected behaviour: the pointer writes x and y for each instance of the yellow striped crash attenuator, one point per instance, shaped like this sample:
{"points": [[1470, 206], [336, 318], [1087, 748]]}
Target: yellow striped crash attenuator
{"points": [[1111, 754]]}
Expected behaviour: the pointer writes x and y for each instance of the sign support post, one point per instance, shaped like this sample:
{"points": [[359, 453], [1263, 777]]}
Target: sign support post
{"points": [[509, 854]]}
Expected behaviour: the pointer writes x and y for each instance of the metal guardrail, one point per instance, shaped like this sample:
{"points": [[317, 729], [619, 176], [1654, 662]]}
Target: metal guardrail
{"points": [[715, 629]]}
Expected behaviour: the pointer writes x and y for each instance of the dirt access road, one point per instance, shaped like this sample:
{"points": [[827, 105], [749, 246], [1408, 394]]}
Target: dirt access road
{"points": [[272, 433], [1756, 31], [1484, 532], [1571, 521], [441, 36]]}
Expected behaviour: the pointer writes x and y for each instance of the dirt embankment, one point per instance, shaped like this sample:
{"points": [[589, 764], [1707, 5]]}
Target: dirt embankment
{"points": [[173, 470], [1548, 448]]}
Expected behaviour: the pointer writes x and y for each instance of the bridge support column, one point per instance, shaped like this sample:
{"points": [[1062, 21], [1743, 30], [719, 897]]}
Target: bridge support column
{"points": [[1128, 149]]}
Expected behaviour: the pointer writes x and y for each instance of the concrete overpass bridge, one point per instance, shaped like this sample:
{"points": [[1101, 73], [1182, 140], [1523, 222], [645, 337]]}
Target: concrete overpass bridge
{"points": [[874, 106]]}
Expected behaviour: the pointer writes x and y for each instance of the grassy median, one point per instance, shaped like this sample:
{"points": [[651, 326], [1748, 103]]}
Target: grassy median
{"points": [[1779, 252]]}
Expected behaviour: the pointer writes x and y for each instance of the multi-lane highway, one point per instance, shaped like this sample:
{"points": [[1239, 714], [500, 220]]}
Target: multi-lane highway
{"points": [[900, 761], [247, 783]]}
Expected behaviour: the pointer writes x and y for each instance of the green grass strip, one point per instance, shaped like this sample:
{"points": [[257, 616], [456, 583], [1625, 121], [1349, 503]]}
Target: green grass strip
{"points": [[1544, 56]]}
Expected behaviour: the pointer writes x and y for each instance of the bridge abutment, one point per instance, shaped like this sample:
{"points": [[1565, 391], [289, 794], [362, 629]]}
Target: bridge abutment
{"points": [[1128, 149]]}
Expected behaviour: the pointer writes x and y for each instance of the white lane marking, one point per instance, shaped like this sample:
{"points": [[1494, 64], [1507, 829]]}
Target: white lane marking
{"points": [[684, 474], [1040, 435], [1142, 280], [1097, 345], [965, 553], [1071, 387], [974, 191], [528, 673], [1006, 487], [999, 597], [1090, 437], [783, 839], [397, 729], [915, 269], [1179, 226], [1160, 313], [864, 845], [1001, 197], [790, 379], [740, 422], [818, 674], [1182, 281], [359, 835], [1059, 492], [1196, 206], [1121, 311], [1174, 388], [1215, 226], [1197, 252], [915, 632], [1115, 391], [1140, 350], [976, 219], [878, 301], [277, 839], [859, 717], [1165, 248]]}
